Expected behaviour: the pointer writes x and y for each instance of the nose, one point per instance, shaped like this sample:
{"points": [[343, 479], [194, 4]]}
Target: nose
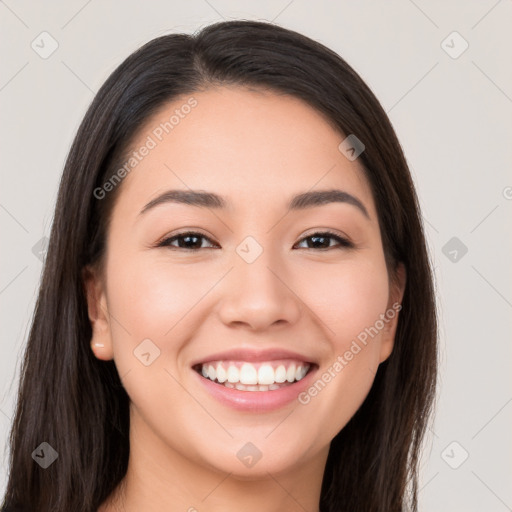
{"points": [[259, 295]]}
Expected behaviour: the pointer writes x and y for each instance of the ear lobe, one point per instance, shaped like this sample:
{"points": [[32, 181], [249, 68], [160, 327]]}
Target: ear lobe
{"points": [[396, 293], [101, 341]]}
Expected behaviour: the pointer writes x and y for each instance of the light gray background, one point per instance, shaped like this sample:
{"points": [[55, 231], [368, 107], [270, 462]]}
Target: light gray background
{"points": [[452, 116]]}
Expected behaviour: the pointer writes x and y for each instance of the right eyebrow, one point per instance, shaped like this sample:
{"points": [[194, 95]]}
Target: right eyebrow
{"points": [[321, 197]]}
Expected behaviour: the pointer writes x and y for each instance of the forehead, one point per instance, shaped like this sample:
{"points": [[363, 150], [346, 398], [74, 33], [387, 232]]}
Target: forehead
{"points": [[255, 147]]}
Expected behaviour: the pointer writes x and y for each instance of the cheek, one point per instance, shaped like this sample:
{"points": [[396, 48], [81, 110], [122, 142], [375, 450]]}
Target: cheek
{"points": [[150, 300], [151, 297], [348, 297]]}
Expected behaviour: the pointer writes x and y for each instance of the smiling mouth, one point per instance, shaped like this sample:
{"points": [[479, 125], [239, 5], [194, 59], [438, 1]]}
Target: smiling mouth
{"points": [[251, 376]]}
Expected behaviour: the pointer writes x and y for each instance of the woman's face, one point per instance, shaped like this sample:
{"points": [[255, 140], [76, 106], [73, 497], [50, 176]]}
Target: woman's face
{"points": [[257, 294]]}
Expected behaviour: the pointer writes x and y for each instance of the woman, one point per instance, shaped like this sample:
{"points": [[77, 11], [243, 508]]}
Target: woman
{"points": [[237, 308]]}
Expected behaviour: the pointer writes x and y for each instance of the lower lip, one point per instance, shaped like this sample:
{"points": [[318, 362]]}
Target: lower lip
{"points": [[257, 401]]}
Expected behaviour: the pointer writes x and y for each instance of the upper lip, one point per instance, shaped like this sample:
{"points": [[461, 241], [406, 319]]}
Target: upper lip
{"points": [[270, 354]]}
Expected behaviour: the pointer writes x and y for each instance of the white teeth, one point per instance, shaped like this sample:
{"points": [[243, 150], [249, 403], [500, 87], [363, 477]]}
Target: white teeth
{"points": [[254, 377], [280, 374], [243, 387], [300, 372], [248, 374], [222, 375], [233, 374], [266, 375], [290, 373]]}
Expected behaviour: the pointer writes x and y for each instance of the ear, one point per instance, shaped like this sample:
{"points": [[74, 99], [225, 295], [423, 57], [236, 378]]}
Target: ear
{"points": [[396, 293], [101, 341]]}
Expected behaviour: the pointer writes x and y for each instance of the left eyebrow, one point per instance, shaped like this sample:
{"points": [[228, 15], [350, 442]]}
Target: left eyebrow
{"points": [[302, 201], [321, 197]]}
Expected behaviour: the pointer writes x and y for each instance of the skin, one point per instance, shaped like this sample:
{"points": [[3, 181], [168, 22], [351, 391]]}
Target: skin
{"points": [[257, 149]]}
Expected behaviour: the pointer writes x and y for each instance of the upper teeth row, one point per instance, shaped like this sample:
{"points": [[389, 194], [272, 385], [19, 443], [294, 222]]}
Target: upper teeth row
{"points": [[248, 374]]}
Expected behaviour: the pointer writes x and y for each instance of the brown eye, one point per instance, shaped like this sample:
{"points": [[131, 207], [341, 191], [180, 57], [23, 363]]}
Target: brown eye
{"points": [[323, 241], [189, 240]]}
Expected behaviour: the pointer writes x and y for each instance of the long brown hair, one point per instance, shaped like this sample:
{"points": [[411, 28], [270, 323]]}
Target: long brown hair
{"points": [[77, 404]]}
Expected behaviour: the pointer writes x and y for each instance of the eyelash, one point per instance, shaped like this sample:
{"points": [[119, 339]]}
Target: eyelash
{"points": [[343, 243]]}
